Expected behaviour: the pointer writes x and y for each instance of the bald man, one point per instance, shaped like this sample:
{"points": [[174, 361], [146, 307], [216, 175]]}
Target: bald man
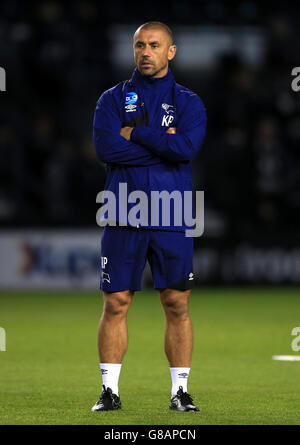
{"points": [[147, 130]]}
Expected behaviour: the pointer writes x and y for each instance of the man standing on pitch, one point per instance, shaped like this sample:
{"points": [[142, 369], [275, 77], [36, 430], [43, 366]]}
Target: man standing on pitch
{"points": [[147, 130]]}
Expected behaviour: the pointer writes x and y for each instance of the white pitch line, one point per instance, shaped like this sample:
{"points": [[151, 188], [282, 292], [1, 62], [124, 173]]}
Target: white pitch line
{"points": [[287, 358]]}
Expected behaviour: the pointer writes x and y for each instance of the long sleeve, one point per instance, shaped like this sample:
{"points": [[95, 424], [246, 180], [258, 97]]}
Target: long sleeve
{"points": [[182, 146], [110, 146]]}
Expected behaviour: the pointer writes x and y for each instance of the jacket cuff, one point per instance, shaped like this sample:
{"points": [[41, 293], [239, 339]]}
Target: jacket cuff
{"points": [[138, 133]]}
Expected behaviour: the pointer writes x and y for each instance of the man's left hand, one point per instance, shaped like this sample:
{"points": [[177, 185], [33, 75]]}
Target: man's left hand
{"points": [[126, 132]]}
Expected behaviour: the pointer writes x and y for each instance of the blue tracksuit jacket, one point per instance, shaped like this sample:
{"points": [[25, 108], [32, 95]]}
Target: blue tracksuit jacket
{"points": [[152, 159]]}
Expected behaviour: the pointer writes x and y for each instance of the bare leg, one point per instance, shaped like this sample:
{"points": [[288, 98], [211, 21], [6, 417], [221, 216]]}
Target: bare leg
{"points": [[112, 333], [179, 330]]}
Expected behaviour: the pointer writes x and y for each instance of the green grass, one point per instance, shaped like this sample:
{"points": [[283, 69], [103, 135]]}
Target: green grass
{"points": [[50, 373]]}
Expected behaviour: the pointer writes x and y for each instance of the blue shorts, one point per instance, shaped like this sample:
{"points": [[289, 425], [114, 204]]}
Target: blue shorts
{"points": [[124, 251]]}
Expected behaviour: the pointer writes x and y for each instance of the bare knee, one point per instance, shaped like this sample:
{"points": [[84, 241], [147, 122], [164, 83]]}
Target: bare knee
{"points": [[117, 303], [175, 303]]}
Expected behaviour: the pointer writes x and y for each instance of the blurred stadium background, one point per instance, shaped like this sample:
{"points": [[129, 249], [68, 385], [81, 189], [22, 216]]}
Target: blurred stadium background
{"points": [[59, 57]]}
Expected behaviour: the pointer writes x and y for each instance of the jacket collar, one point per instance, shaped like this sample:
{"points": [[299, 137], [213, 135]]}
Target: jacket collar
{"points": [[152, 82]]}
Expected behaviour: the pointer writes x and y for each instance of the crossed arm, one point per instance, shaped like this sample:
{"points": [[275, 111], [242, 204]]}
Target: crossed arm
{"points": [[144, 145], [126, 132], [111, 147]]}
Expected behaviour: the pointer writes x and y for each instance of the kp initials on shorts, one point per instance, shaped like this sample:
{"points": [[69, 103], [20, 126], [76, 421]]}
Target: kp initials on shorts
{"points": [[103, 261]]}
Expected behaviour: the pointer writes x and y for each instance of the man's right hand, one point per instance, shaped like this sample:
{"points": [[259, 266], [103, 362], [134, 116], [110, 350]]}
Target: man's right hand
{"points": [[126, 132], [171, 130]]}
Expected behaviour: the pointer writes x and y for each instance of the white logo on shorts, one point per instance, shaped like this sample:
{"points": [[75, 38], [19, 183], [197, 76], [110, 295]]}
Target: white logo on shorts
{"points": [[105, 276]]}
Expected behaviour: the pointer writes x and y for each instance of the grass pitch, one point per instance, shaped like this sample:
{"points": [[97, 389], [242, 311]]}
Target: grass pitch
{"points": [[49, 373]]}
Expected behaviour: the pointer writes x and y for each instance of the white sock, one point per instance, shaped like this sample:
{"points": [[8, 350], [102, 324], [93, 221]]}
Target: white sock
{"points": [[179, 378], [110, 375]]}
